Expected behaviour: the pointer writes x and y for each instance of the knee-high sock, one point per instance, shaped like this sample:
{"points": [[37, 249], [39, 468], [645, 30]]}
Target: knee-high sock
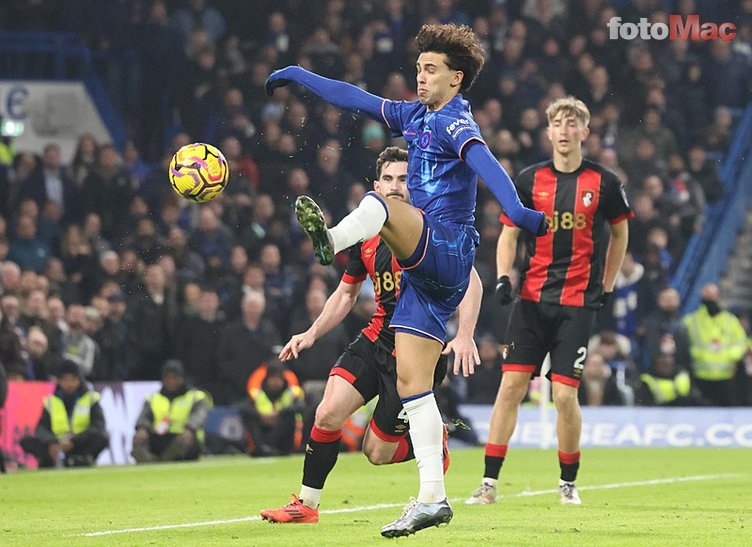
{"points": [[425, 432], [321, 455], [363, 223]]}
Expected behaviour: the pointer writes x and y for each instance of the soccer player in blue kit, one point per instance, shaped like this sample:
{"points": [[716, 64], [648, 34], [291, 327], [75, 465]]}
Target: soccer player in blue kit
{"points": [[433, 238]]}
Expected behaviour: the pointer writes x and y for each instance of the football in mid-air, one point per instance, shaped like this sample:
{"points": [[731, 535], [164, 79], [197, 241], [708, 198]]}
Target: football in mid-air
{"points": [[199, 172]]}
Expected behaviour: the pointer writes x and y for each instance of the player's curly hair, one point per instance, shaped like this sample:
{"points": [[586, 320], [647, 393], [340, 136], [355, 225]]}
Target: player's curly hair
{"points": [[390, 154], [461, 46]]}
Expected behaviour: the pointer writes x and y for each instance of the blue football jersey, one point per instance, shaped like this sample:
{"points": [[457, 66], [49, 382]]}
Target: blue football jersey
{"points": [[440, 182]]}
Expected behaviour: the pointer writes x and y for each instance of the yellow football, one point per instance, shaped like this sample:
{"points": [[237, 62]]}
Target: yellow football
{"points": [[199, 172]]}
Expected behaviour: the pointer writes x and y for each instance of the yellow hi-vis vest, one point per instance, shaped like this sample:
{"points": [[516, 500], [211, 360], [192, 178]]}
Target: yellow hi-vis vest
{"points": [[7, 153], [177, 411], [266, 406], [716, 343], [62, 426], [667, 390]]}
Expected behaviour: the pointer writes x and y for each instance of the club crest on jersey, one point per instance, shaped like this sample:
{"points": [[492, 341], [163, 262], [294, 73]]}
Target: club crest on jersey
{"points": [[587, 197], [425, 140]]}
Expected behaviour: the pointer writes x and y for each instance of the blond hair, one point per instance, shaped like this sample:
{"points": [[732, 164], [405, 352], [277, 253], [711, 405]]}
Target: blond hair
{"points": [[570, 106]]}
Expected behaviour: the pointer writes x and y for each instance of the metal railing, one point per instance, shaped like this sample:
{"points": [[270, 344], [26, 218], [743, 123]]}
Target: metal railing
{"points": [[707, 254]]}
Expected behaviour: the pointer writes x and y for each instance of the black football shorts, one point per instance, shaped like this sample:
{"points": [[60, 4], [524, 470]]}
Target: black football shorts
{"points": [[372, 370], [536, 329]]}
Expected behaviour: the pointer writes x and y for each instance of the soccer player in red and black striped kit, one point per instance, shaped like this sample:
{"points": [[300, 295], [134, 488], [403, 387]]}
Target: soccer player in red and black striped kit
{"points": [[368, 367], [568, 274]]}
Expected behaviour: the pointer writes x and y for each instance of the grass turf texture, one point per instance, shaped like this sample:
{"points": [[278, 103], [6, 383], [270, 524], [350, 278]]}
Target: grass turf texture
{"points": [[57, 507]]}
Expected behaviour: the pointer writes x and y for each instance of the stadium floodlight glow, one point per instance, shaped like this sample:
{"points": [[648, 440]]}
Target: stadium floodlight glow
{"points": [[676, 29]]}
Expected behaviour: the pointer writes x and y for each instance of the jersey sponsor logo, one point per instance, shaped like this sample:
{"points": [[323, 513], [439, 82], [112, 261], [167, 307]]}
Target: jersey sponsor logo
{"points": [[587, 197], [425, 140], [386, 281], [566, 221], [457, 127]]}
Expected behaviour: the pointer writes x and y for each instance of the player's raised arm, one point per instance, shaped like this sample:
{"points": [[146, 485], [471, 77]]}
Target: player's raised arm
{"points": [[485, 165], [340, 94], [337, 306]]}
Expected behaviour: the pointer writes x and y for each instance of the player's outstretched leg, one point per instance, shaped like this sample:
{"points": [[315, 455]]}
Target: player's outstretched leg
{"points": [[295, 511], [418, 516], [312, 221], [363, 223]]}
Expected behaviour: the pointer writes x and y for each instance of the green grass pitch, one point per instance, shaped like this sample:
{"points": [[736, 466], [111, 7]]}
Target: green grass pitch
{"points": [[631, 497]]}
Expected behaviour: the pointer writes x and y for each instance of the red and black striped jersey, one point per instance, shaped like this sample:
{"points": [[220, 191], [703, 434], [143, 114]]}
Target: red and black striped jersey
{"points": [[374, 258], [566, 265]]}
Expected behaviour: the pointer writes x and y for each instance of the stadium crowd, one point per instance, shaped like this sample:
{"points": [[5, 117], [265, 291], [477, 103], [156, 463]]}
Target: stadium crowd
{"points": [[104, 265]]}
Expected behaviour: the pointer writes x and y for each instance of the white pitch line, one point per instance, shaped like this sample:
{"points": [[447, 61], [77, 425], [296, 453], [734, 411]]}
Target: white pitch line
{"points": [[527, 493]]}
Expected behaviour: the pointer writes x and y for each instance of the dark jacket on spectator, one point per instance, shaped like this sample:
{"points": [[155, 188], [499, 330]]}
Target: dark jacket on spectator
{"points": [[241, 351]]}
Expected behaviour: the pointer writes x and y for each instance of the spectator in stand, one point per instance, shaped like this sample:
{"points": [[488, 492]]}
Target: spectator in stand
{"points": [[93, 233], [599, 386], [243, 346], [115, 353], [688, 197], [200, 14], [211, 237], [667, 384], [197, 343], [256, 231], [137, 168], [35, 315], [278, 284], [146, 242], [631, 301], [704, 171], [26, 249], [108, 191], [616, 351], [330, 180], [171, 424], [40, 362], [663, 332], [646, 218], [188, 264], [78, 259], [718, 343], [272, 416], [71, 431], [51, 183], [84, 159], [77, 345], [728, 76], [152, 320]]}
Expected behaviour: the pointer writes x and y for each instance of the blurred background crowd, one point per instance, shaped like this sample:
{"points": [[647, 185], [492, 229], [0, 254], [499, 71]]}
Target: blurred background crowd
{"points": [[102, 264]]}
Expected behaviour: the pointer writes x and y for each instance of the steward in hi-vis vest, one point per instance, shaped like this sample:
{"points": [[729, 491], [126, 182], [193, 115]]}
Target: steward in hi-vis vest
{"points": [[71, 430], [171, 423], [717, 343], [272, 417]]}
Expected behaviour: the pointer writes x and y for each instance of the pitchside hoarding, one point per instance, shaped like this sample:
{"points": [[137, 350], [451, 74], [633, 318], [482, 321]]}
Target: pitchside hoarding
{"points": [[602, 427], [630, 426]]}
